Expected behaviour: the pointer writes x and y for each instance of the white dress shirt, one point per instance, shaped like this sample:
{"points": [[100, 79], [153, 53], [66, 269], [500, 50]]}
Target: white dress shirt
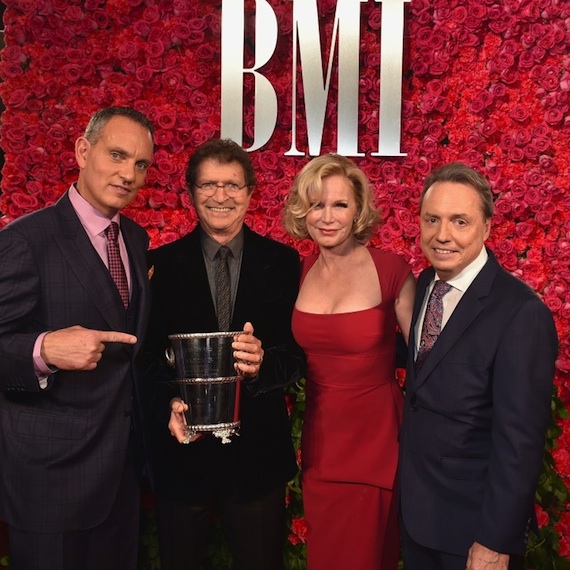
{"points": [[459, 284]]}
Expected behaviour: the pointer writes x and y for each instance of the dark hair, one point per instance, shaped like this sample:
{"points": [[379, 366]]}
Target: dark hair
{"points": [[101, 118], [462, 174], [223, 151]]}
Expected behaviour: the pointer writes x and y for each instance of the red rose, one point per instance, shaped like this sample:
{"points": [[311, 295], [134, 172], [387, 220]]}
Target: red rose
{"points": [[73, 14], [544, 218], [156, 219], [168, 237], [413, 126], [550, 80], [24, 202], [519, 113], [180, 32], [553, 116], [477, 105], [525, 228], [548, 164], [299, 530], [306, 247], [144, 73], [151, 14], [473, 139], [16, 99], [27, 6]]}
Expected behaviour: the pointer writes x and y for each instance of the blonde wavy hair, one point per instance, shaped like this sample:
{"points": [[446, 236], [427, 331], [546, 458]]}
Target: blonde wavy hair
{"points": [[307, 191]]}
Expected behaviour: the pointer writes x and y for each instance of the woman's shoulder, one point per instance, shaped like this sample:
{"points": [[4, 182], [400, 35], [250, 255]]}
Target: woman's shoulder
{"points": [[393, 270], [387, 259]]}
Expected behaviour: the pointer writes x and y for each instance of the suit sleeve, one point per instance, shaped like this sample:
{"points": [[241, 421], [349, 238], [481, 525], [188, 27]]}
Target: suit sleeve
{"points": [[522, 377], [158, 378], [19, 300], [284, 361]]}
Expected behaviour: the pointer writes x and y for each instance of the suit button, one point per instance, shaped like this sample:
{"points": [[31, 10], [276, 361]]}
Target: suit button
{"points": [[127, 414], [414, 404]]}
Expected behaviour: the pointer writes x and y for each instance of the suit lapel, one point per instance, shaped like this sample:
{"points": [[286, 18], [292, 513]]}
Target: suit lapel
{"points": [[253, 279], [423, 281], [87, 266], [469, 307], [139, 275], [192, 270]]}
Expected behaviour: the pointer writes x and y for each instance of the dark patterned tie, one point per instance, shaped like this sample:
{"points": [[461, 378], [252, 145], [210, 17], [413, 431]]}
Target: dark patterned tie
{"points": [[432, 321], [223, 289], [116, 267]]}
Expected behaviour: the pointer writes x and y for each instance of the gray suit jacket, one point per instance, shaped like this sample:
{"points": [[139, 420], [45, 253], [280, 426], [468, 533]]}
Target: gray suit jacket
{"points": [[63, 448]]}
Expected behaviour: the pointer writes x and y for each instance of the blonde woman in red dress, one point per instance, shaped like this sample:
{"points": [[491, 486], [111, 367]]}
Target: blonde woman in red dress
{"points": [[352, 298]]}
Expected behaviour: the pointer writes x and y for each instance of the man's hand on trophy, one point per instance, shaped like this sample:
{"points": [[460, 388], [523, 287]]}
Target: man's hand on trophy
{"points": [[177, 424], [247, 352]]}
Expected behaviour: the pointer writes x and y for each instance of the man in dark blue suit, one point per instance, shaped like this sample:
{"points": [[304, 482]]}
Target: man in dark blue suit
{"points": [[478, 403], [69, 336]]}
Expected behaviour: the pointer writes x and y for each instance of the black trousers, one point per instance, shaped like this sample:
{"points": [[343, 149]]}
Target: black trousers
{"points": [[418, 557], [255, 530], [112, 545]]}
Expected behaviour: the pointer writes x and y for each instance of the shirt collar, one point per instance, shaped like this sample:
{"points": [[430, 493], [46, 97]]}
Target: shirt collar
{"points": [[210, 246], [465, 277], [94, 221]]}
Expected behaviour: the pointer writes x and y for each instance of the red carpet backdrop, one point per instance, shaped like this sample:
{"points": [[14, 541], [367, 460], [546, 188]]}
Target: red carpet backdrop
{"points": [[484, 81]]}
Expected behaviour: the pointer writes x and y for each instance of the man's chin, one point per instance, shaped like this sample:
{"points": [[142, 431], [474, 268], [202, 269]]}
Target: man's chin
{"points": [[443, 270]]}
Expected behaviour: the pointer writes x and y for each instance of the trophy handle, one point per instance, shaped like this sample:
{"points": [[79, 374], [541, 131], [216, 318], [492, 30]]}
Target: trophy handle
{"points": [[169, 354]]}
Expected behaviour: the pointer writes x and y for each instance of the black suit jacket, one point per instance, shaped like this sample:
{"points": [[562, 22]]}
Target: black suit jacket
{"points": [[262, 456], [475, 417], [63, 449]]}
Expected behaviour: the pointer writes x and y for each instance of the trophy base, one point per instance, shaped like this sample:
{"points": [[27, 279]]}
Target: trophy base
{"points": [[222, 431]]}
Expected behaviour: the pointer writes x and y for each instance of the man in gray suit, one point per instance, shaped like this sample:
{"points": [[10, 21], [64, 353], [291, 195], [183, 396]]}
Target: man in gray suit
{"points": [[482, 348], [74, 301]]}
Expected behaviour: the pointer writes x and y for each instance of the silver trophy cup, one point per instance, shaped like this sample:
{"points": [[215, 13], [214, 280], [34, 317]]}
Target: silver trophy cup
{"points": [[208, 382]]}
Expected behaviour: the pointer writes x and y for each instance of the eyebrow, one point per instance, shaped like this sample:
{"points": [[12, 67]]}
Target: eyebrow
{"points": [[453, 216], [122, 151]]}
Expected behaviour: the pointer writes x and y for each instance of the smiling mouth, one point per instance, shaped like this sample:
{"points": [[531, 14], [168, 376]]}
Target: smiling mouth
{"points": [[219, 209], [443, 251]]}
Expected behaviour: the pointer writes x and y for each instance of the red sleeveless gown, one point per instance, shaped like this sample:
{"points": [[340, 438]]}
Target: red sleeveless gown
{"points": [[349, 444]]}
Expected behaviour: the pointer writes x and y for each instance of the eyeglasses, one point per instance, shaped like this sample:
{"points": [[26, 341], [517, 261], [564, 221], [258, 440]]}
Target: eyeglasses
{"points": [[210, 188]]}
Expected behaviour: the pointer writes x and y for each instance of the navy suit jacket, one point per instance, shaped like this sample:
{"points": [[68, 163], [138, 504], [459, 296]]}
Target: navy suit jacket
{"points": [[63, 449], [476, 416], [262, 457]]}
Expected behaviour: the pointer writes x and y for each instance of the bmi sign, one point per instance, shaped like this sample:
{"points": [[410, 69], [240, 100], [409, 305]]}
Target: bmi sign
{"points": [[315, 84]]}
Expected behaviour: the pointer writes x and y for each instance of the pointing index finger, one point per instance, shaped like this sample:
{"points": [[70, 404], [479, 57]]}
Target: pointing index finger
{"points": [[116, 336]]}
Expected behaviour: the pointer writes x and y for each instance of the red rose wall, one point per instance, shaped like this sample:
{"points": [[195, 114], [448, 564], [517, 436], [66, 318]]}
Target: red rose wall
{"points": [[486, 82]]}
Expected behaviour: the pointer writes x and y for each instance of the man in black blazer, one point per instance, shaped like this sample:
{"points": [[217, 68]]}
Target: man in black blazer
{"points": [[478, 404], [68, 342], [242, 481]]}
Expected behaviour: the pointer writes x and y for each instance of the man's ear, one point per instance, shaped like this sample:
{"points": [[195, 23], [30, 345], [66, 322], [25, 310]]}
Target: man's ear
{"points": [[82, 147], [487, 229]]}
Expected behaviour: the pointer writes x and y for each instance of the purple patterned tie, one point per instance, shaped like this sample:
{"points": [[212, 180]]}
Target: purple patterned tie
{"points": [[432, 321], [116, 267]]}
